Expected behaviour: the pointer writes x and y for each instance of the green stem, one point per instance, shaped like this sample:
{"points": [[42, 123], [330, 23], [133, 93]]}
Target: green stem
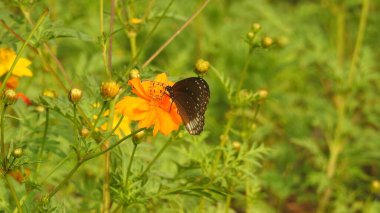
{"points": [[130, 162], [175, 34], [107, 157], [75, 124], [150, 34], [3, 157], [20, 52], [89, 157], [103, 40], [156, 157], [359, 40], [40, 154], [245, 69], [97, 118], [67, 178], [13, 192]]}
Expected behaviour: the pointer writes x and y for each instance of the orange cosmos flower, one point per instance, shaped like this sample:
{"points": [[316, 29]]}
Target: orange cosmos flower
{"points": [[153, 106]]}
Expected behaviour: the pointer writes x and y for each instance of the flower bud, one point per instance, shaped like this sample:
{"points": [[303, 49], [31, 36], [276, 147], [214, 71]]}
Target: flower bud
{"points": [[84, 132], [49, 93], [9, 97], [266, 41], [138, 136], [134, 73], [109, 90], [75, 95], [256, 27], [201, 67], [40, 109], [282, 41], [18, 152], [250, 36], [263, 94], [236, 145], [375, 186]]}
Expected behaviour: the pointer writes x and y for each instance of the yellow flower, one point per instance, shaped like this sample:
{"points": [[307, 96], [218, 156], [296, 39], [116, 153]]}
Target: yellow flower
{"points": [[153, 106], [7, 56]]}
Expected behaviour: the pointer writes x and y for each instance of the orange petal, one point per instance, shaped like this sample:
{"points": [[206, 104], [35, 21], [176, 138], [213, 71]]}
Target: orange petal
{"points": [[138, 89]]}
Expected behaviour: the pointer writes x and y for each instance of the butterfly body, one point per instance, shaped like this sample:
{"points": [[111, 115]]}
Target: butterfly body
{"points": [[191, 96]]}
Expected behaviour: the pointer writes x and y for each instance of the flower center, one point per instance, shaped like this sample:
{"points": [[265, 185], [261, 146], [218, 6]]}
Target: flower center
{"points": [[156, 90]]}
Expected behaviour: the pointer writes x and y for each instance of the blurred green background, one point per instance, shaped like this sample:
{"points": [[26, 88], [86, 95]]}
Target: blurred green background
{"points": [[321, 119]]}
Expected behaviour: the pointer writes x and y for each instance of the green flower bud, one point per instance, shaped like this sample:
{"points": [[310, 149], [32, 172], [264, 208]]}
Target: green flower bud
{"points": [[201, 67], [134, 73], [266, 42], [75, 95], [9, 97], [256, 27], [18, 152], [138, 137], [109, 90]]}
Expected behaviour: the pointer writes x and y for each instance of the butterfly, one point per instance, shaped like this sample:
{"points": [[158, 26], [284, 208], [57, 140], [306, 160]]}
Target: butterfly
{"points": [[191, 96]]}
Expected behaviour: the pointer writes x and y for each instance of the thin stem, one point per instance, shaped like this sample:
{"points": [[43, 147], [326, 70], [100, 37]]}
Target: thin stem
{"points": [[57, 167], [112, 18], [98, 117], [3, 157], [359, 40], [176, 33], [110, 134], [67, 178], [13, 192], [107, 156], [156, 157], [130, 162], [150, 34], [20, 52], [75, 124], [44, 137], [245, 69], [103, 40], [89, 157]]}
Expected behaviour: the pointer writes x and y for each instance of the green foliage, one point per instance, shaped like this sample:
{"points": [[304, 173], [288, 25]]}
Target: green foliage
{"points": [[292, 124]]}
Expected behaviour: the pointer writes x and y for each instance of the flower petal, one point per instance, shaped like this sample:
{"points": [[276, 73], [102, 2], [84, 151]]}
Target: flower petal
{"points": [[138, 88]]}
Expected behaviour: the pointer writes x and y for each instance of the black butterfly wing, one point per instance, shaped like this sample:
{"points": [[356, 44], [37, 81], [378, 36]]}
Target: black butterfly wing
{"points": [[191, 96]]}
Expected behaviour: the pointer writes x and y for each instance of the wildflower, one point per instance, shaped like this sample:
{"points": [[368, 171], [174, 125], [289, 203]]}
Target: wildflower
{"points": [[109, 90], [84, 132], [75, 95], [7, 57], [152, 106]]}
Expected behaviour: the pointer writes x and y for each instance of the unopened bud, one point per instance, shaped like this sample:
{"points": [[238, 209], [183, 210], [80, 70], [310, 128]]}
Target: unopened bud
{"points": [[75, 95], [109, 90], [138, 136], [134, 73], [236, 145], [201, 67], [49, 93], [84, 132], [9, 97], [256, 27], [263, 94], [266, 41], [18, 152]]}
